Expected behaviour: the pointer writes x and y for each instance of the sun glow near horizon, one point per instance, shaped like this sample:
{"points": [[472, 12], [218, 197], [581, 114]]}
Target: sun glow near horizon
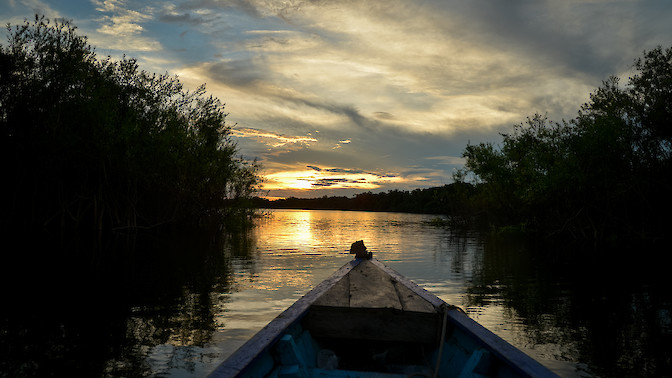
{"points": [[312, 178]]}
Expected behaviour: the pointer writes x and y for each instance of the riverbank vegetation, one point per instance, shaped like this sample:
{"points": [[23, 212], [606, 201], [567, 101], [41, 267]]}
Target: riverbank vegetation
{"points": [[605, 175], [91, 143], [447, 199]]}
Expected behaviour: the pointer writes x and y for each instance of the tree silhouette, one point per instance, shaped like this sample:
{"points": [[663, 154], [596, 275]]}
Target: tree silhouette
{"points": [[98, 143], [606, 174]]}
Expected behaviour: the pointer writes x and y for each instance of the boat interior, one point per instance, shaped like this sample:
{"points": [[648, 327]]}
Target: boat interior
{"points": [[312, 349]]}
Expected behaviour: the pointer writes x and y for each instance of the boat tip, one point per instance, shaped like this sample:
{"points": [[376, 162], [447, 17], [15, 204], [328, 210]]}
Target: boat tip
{"points": [[359, 250]]}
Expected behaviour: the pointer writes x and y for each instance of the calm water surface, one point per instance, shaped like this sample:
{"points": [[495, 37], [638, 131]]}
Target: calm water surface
{"points": [[529, 303], [574, 314]]}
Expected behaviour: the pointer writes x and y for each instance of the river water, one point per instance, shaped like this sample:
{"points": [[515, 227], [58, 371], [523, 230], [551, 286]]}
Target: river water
{"points": [[177, 316]]}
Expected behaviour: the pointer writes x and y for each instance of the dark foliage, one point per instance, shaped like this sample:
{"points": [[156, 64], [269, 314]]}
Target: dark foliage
{"points": [[92, 143], [606, 175]]}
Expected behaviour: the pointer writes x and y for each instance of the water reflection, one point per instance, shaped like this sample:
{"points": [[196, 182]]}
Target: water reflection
{"points": [[533, 295], [597, 310], [104, 307], [178, 306]]}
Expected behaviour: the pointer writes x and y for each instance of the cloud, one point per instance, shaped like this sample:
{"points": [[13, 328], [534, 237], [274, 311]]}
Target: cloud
{"points": [[447, 160], [246, 74], [121, 27], [39, 7], [344, 171], [270, 138], [258, 75], [325, 182], [180, 18], [347, 171], [479, 60], [341, 143], [241, 5]]}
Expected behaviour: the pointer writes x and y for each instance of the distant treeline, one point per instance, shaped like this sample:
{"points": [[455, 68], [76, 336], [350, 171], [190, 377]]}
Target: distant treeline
{"points": [[605, 175], [92, 143], [447, 199]]}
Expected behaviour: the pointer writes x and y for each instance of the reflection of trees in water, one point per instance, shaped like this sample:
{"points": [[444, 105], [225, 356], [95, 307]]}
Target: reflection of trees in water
{"points": [[458, 243], [187, 323], [185, 318], [606, 309], [88, 309], [464, 247], [240, 248]]}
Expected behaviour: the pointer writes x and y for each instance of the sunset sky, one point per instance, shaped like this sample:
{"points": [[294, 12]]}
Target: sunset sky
{"points": [[340, 97]]}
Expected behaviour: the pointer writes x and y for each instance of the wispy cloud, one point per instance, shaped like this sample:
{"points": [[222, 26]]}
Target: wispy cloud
{"points": [[123, 26], [170, 15], [42, 8], [447, 160], [270, 138]]}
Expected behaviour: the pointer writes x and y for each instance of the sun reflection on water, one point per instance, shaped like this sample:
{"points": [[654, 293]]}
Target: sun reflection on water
{"points": [[292, 251]]}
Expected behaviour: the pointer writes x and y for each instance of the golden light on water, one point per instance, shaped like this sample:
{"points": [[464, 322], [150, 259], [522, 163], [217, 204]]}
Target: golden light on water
{"points": [[299, 228]]}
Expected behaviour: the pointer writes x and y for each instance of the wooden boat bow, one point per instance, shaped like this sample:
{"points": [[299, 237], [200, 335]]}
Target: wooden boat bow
{"points": [[366, 305]]}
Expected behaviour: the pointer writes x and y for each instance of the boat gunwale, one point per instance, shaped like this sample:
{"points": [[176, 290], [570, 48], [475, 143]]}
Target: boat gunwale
{"points": [[513, 357]]}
